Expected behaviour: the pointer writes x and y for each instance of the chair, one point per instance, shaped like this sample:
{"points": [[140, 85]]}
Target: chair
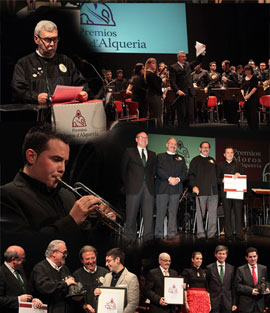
{"points": [[133, 112], [132, 108], [212, 108], [118, 107], [265, 106], [241, 111]]}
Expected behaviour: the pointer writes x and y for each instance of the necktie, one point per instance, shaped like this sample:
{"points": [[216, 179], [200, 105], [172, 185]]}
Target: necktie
{"points": [[165, 272], [143, 158], [254, 275], [221, 273], [19, 279]]}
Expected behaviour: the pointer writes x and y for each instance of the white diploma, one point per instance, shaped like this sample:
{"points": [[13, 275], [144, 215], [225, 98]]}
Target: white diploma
{"points": [[28, 307], [235, 187], [173, 290]]}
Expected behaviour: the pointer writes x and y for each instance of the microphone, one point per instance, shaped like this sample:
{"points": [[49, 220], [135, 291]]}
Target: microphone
{"points": [[96, 71]]}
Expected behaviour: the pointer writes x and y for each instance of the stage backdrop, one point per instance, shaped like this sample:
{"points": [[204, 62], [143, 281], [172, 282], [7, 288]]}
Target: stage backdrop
{"points": [[133, 27], [253, 155]]}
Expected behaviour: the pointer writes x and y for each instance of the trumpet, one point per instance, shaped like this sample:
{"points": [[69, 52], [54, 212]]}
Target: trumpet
{"points": [[105, 211]]}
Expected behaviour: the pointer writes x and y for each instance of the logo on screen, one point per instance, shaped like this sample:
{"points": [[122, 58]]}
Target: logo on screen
{"points": [[78, 120], [97, 14]]}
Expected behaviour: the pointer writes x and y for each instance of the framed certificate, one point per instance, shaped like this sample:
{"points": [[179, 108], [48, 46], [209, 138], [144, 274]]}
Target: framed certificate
{"points": [[111, 300], [173, 290]]}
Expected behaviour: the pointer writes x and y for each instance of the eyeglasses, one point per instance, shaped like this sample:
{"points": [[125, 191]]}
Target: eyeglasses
{"points": [[65, 253], [49, 39], [166, 260], [142, 137]]}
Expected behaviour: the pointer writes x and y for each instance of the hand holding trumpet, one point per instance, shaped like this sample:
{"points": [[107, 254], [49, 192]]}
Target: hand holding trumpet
{"points": [[83, 207]]}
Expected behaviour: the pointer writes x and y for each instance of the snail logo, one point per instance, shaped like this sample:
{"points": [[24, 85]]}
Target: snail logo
{"points": [[266, 173], [173, 289], [78, 120], [182, 150], [96, 14], [111, 305]]}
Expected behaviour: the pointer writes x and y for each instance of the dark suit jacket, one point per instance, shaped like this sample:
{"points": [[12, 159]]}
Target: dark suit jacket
{"points": [[10, 289], [244, 286], [180, 78], [217, 290], [154, 290], [134, 173], [26, 208], [49, 286], [170, 166]]}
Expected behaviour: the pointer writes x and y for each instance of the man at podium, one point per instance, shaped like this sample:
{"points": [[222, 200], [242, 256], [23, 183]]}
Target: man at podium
{"points": [[37, 74]]}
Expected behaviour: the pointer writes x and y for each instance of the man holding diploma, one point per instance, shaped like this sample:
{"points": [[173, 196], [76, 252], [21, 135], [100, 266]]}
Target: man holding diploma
{"points": [[230, 166]]}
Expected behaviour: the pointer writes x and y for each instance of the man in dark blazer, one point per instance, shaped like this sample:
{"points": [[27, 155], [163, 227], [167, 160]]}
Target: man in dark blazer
{"points": [[247, 278], [14, 287], [138, 170], [51, 278], [170, 174], [220, 277], [181, 84], [154, 288]]}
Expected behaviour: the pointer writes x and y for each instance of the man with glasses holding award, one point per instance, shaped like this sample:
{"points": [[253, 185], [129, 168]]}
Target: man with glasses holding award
{"points": [[37, 74], [52, 281]]}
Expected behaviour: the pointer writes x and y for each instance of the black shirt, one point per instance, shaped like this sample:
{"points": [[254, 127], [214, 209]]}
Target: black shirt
{"points": [[195, 277], [115, 277]]}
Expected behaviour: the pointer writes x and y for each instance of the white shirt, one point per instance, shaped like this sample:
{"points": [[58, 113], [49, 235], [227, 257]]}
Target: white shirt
{"points": [[144, 150], [88, 271], [219, 267], [54, 265], [163, 271], [256, 269]]}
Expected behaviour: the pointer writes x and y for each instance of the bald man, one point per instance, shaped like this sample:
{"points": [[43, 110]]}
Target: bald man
{"points": [[170, 173], [14, 287], [138, 171], [154, 289]]}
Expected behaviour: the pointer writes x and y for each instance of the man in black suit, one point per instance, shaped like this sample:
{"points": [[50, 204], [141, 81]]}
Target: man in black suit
{"points": [[220, 276], [181, 84], [154, 288], [138, 170], [34, 202], [170, 174], [247, 278], [14, 287], [51, 278]]}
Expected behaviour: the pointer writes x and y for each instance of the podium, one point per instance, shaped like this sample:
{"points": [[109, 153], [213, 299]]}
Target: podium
{"points": [[81, 121]]}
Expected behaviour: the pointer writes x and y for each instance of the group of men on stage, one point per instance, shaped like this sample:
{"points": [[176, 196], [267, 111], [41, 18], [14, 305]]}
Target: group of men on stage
{"points": [[51, 282], [148, 178]]}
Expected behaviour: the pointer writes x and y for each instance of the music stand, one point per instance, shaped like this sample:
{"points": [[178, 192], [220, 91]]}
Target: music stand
{"points": [[119, 96], [260, 91], [200, 95], [233, 94]]}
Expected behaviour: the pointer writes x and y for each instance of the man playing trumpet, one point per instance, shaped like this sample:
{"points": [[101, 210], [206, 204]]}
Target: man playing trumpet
{"points": [[35, 201]]}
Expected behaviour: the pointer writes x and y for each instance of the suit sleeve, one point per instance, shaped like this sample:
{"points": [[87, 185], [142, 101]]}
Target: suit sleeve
{"points": [[133, 294], [183, 174], [173, 79], [9, 302], [240, 286], [161, 169], [192, 173], [124, 166], [149, 292], [47, 286]]}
